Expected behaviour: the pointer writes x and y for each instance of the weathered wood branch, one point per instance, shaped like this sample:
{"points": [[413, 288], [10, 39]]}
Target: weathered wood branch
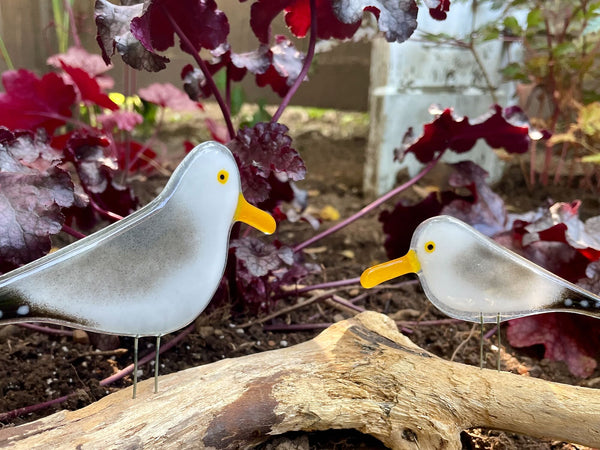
{"points": [[360, 373]]}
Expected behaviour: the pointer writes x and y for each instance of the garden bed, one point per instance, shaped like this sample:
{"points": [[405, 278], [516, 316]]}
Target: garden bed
{"points": [[37, 367]]}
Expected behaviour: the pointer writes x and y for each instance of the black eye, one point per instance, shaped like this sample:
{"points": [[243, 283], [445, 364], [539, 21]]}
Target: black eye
{"points": [[430, 246], [222, 176]]}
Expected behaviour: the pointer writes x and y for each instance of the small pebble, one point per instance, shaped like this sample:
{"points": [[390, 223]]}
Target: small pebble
{"points": [[205, 332], [271, 343], [81, 337], [218, 332], [283, 343]]}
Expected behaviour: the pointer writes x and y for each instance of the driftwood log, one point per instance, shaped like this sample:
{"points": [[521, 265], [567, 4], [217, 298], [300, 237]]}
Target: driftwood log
{"points": [[358, 374]]}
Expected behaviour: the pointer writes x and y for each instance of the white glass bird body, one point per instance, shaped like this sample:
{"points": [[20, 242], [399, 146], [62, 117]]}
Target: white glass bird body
{"points": [[470, 277], [150, 273]]}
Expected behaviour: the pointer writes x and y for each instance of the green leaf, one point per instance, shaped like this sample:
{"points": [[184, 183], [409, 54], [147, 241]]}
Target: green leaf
{"points": [[220, 79], [261, 115], [237, 99], [512, 27], [514, 71], [534, 18]]}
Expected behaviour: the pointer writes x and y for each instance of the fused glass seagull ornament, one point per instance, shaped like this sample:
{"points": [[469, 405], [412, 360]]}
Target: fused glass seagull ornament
{"points": [[468, 276], [152, 272]]}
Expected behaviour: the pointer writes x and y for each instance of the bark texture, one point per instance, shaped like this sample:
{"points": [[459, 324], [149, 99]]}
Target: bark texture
{"points": [[358, 374]]}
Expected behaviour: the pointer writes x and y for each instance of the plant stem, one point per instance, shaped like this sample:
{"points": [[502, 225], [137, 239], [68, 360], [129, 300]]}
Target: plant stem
{"points": [[370, 207], [5, 55], [46, 330], [76, 234], [202, 65], [73, 25], [305, 66]]}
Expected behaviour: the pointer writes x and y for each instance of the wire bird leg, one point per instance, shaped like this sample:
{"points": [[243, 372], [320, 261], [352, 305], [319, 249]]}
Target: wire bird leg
{"points": [[156, 363], [135, 364], [481, 342]]}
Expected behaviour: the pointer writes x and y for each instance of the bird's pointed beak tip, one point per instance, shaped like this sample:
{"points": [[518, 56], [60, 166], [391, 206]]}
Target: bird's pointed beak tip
{"points": [[380, 273], [253, 216]]}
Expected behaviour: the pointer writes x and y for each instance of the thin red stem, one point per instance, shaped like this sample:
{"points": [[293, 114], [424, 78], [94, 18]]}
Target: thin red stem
{"points": [[69, 9], [370, 207], [306, 64], [76, 234], [202, 65]]}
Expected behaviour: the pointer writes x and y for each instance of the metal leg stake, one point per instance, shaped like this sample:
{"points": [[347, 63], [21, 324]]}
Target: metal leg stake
{"points": [[499, 339], [481, 342], [156, 364], [135, 364]]}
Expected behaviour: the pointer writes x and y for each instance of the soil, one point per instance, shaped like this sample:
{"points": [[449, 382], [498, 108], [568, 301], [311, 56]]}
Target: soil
{"points": [[37, 367]]}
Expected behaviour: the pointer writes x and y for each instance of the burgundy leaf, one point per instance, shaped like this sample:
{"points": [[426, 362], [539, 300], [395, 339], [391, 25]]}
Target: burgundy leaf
{"points": [[262, 13], [88, 87], [262, 269], [32, 192], [194, 83], [571, 338], [397, 19], [285, 66], [167, 96], [400, 223], [90, 155], [261, 258], [30, 102], [438, 8], [485, 211], [263, 151], [337, 19], [201, 22], [135, 157], [458, 135], [113, 23], [297, 18], [561, 223]]}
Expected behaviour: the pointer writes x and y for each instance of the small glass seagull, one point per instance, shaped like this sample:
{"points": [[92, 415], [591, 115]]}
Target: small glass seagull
{"points": [[468, 276], [149, 274]]}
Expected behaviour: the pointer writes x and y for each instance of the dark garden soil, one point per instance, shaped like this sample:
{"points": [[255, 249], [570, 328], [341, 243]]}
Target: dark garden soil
{"points": [[36, 367]]}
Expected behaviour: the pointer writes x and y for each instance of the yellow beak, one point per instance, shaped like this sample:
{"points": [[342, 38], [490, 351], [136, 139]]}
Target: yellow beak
{"points": [[253, 216], [386, 271]]}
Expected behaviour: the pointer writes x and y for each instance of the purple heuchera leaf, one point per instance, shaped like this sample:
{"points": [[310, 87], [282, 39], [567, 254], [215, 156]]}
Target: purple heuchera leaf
{"points": [[89, 153], [457, 134], [32, 192], [561, 223], [114, 33], [571, 338], [264, 151], [262, 269], [203, 24], [397, 18], [285, 64], [337, 19], [485, 211], [261, 258]]}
